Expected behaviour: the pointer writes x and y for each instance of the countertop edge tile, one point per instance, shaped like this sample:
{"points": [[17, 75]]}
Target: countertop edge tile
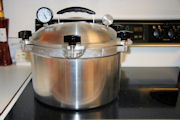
{"points": [[15, 98]]}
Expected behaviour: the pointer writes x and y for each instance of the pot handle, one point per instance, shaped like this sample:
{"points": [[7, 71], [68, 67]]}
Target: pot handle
{"points": [[76, 9]]}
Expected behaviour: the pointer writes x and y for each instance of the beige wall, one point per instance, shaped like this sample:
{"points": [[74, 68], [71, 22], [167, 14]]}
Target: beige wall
{"points": [[22, 14]]}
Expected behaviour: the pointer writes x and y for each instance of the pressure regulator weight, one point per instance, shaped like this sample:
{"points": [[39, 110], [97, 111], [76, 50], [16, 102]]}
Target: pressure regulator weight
{"points": [[44, 14]]}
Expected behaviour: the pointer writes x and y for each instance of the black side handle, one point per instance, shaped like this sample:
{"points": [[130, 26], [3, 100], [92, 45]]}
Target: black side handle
{"points": [[72, 39], [24, 34], [76, 9], [124, 34]]}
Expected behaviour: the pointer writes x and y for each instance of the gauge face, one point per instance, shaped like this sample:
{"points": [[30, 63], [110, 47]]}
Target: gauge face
{"points": [[44, 15]]}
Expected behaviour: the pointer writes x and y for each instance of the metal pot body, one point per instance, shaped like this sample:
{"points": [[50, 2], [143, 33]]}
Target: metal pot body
{"points": [[76, 83]]}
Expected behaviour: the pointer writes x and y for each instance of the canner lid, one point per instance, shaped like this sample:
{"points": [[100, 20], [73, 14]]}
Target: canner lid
{"points": [[89, 33], [75, 40]]}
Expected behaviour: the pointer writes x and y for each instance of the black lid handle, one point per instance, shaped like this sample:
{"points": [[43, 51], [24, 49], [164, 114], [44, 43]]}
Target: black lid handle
{"points": [[76, 9]]}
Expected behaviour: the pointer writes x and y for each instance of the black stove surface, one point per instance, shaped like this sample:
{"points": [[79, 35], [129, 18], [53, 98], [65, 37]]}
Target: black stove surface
{"points": [[144, 93]]}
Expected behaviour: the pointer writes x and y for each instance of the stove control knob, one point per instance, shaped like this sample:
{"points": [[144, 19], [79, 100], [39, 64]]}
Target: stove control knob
{"points": [[156, 33], [171, 33]]}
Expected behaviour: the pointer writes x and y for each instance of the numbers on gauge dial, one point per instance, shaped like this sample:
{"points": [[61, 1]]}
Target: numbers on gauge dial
{"points": [[44, 15]]}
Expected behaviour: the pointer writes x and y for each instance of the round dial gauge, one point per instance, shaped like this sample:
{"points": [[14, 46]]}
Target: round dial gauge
{"points": [[44, 14]]}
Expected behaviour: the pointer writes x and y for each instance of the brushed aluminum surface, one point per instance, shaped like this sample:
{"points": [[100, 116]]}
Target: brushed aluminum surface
{"points": [[90, 33], [76, 83]]}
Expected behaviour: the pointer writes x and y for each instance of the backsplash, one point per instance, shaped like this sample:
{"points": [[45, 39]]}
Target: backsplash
{"points": [[152, 57]]}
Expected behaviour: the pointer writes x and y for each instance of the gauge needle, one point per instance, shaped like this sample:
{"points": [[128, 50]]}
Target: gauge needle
{"points": [[45, 16]]}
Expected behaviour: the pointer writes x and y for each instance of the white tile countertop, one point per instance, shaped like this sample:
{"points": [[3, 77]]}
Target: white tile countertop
{"points": [[13, 80]]}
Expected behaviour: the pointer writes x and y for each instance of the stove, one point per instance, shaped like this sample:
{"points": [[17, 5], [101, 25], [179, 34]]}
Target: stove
{"points": [[145, 93], [143, 31]]}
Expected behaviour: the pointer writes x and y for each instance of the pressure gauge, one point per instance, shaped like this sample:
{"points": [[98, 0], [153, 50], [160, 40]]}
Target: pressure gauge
{"points": [[44, 14]]}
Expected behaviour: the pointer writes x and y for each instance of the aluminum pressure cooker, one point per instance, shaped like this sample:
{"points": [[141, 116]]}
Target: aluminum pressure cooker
{"points": [[76, 65]]}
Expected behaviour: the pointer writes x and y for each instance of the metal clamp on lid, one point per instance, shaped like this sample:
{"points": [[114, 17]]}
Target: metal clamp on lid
{"points": [[73, 50], [24, 35]]}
